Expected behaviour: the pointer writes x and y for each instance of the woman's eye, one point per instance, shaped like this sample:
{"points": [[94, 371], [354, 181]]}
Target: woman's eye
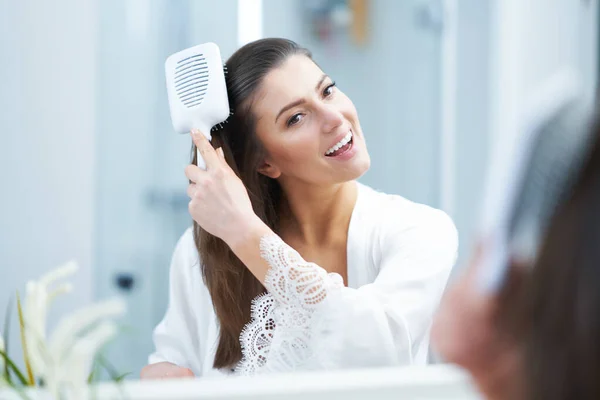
{"points": [[329, 90], [294, 119]]}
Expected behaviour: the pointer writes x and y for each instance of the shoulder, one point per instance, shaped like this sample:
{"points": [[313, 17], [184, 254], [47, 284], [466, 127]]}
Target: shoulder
{"points": [[185, 258], [397, 221], [186, 282]]}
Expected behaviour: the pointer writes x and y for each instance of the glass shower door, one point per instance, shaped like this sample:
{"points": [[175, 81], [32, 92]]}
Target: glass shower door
{"points": [[141, 203]]}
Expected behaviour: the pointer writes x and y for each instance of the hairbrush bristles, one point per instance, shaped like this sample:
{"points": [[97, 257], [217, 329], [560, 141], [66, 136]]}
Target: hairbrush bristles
{"points": [[220, 125]]}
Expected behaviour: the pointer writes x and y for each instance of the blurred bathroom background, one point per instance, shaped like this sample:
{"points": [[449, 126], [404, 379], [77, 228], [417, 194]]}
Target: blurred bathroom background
{"points": [[91, 169]]}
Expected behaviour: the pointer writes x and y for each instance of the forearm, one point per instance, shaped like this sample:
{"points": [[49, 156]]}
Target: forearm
{"points": [[245, 243]]}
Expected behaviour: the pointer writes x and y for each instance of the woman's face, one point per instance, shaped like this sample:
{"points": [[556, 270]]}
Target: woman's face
{"points": [[308, 126]]}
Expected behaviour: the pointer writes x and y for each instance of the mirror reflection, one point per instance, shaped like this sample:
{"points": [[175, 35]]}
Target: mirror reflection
{"points": [[303, 186], [376, 82]]}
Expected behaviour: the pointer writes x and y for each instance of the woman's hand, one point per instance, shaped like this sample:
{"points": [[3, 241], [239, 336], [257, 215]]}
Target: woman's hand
{"points": [[165, 370], [219, 200], [467, 332]]}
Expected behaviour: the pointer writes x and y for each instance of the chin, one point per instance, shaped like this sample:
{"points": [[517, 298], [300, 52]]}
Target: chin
{"points": [[363, 162], [362, 167], [359, 167]]}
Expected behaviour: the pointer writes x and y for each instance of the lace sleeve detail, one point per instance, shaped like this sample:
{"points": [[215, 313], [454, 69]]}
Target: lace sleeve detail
{"points": [[286, 321], [292, 280]]}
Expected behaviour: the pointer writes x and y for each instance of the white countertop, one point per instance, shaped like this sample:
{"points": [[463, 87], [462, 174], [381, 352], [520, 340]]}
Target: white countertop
{"points": [[423, 383]]}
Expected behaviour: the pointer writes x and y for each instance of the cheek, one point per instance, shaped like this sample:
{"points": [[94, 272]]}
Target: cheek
{"points": [[347, 106], [293, 149]]}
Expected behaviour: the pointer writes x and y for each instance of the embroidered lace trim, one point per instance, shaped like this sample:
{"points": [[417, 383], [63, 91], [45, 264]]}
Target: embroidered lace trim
{"points": [[285, 321]]}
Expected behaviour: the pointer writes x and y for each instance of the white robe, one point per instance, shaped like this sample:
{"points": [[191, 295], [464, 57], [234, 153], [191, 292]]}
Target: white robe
{"points": [[399, 256]]}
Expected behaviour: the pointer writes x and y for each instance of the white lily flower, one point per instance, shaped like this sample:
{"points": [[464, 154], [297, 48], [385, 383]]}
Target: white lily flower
{"points": [[61, 272], [69, 355], [72, 325], [78, 365], [37, 302], [65, 361]]}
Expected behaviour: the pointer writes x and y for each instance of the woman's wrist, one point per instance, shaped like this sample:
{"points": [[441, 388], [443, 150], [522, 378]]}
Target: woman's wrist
{"points": [[245, 243], [248, 233]]}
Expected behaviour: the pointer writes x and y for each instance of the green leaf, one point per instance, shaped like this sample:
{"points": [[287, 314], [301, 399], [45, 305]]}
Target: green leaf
{"points": [[112, 372], [5, 331], [94, 372], [121, 377], [14, 368], [24, 343]]}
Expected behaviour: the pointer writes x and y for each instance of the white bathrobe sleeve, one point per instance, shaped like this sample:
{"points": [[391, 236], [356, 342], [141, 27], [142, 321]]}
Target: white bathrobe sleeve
{"points": [[309, 320], [176, 337]]}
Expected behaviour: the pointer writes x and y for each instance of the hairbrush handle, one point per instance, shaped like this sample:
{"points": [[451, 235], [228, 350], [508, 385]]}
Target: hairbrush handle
{"points": [[200, 161], [205, 130]]}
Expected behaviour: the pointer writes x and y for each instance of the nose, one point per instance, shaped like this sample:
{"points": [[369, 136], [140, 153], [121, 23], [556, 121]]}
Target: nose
{"points": [[332, 118]]}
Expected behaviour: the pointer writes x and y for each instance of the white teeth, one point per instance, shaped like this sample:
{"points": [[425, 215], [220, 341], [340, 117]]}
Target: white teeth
{"points": [[345, 140]]}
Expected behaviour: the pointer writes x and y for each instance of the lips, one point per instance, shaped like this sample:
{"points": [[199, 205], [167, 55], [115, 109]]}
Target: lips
{"points": [[341, 146]]}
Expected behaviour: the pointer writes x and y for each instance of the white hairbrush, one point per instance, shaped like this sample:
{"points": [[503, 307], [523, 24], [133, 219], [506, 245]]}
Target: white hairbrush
{"points": [[197, 91], [523, 193]]}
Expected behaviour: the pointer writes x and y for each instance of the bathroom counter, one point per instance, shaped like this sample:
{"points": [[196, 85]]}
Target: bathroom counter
{"points": [[423, 383]]}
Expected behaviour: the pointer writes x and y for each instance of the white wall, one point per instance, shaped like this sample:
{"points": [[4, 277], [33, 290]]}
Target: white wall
{"points": [[506, 49], [472, 116], [47, 122], [532, 40]]}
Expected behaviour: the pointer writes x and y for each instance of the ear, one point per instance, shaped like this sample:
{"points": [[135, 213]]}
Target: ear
{"points": [[270, 170]]}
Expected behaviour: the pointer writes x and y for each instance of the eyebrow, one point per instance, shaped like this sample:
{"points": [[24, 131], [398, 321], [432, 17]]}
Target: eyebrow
{"points": [[300, 101]]}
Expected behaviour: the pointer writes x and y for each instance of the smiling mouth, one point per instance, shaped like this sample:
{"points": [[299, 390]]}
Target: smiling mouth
{"points": [[342, 146]]}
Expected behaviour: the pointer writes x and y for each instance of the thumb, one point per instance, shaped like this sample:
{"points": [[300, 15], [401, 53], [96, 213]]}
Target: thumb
{"points": [[220, 152]]}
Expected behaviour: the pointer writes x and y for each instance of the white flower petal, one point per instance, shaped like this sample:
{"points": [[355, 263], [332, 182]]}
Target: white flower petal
{"points": [[62, 289], [61, 272], [71, 326], [64, 362], [78, 364]]}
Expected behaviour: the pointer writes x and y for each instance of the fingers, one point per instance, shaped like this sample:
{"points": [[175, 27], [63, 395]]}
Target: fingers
{"points": [[193, 173], [191, 190], [209, 155], [165, 370], [186, 373], [196, 174]]}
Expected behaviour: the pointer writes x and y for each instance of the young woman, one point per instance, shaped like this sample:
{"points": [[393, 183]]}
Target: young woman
{"points": [[292, 264]]}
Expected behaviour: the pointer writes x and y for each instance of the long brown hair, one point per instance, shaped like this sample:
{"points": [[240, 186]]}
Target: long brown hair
{"points": [[562, 346], [231, 285], [552, 311]]}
